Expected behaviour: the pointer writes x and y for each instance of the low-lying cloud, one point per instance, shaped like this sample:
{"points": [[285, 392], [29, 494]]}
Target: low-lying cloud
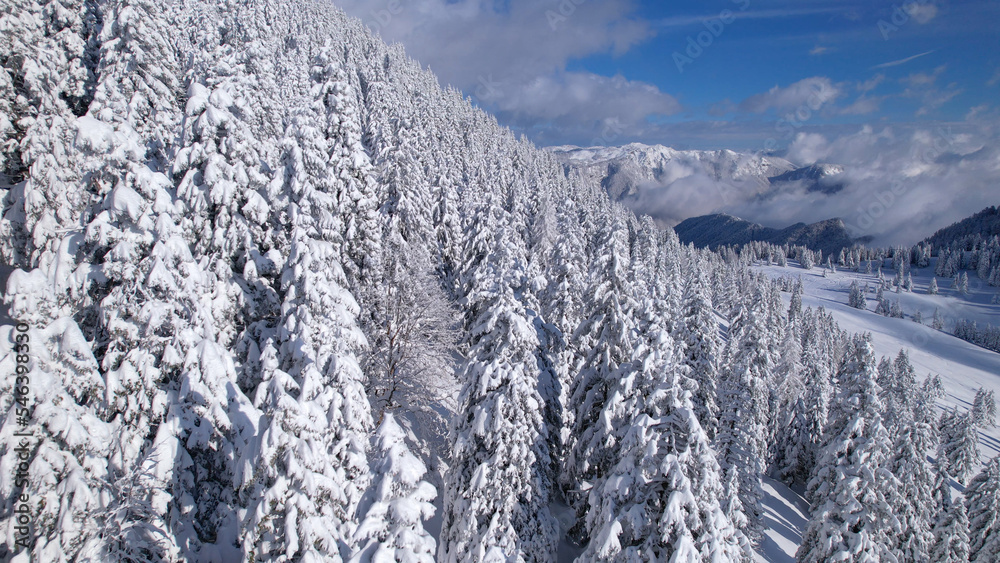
{"points": [[900, 183]]}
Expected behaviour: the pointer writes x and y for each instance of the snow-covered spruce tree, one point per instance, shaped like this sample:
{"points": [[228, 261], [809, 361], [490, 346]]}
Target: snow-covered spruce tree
{"points": [[789, 389], [139, 75], [744, 438], [125, 224], [932, 289], [856, 368], [851, 490], [562, 304], [937, 323], [912, 501], [223, 216], [857, 297], [357, 193], [959, 444], [151, 282], [982, 500], [307, 470], [151, 318], [498, 486], [67, 456], [899, 391], [221, 179], [951, 526], [882, 306], [198, 453], [984, 408], [806, 259], [963, 284], [408, 196], [392, 513], [983, 268], [448, 224], [795, 305], [645, 263], [481, 219], [608, 333], [926, 397], [557, 294], [809, 413], [49, 56], [896, 310], [43, 215], [698, 333], [661, 500]]}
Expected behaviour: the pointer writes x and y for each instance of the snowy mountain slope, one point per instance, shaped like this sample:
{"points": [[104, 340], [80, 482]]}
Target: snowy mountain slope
{"points": [[984, 224], [821, 178], [963, 367], [712, 231]]}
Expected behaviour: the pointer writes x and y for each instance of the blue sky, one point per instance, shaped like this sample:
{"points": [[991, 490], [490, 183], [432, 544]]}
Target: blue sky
{"points": [[607, 72]]}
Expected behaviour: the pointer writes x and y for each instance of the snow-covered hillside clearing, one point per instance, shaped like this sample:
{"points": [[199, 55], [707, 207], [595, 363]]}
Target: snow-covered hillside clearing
{"points": [[963, 367]]}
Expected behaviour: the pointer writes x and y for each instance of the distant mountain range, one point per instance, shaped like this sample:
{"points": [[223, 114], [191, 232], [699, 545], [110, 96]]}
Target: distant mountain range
{"points": [[720, 229], [632, 172], [624, 170], [816, 178]]}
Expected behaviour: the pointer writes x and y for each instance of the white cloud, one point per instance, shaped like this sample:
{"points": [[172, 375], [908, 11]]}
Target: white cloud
{"points": [[737, 13], [902, 61], [935, 98], [585, 97], [812, 93], [977, 111], [808, 148], [902, 183], [922, 86], [863, 106], [918, 79], [871, 84], [922, 12], [512, 58]]}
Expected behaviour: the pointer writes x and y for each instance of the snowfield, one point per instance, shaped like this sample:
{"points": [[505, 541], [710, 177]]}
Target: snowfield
{"points": [[962, 366]]}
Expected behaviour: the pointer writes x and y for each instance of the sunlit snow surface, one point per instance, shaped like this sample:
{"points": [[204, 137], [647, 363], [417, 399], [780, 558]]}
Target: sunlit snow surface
{"points": [[963, 367], [786, 515]]}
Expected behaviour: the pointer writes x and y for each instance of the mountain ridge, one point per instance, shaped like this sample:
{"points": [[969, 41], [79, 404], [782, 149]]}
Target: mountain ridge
{"points": [[626, 170], [983, 224], [623, 170], [721, 229]]}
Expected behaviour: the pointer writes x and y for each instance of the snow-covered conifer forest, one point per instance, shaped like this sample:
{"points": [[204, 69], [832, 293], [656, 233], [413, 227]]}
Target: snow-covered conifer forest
{"points": [[275, 295]]}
